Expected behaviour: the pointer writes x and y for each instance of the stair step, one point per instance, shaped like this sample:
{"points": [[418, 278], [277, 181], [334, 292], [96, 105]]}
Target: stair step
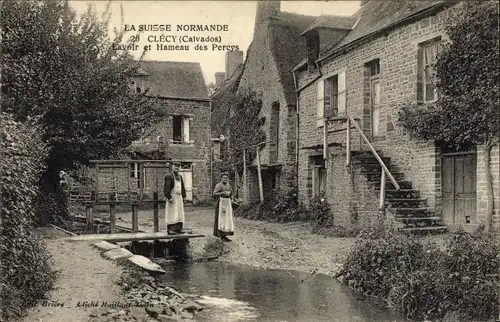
{"points": [[409, 210], [370, 160], [377, 176], [406, 201], [403, 184], [424, 229], [402, 193], [403, 219]]}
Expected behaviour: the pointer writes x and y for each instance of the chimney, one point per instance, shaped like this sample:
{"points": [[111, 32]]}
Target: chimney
{"points": [[233, 60], [219, 79], [266, 10]]}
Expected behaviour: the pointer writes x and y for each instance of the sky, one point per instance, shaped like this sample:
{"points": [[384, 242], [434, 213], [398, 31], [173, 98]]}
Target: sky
{"points": [[238, 15]]}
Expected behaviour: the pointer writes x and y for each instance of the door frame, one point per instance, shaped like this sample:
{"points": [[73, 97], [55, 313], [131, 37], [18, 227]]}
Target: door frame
{"points": [[443, 156]]}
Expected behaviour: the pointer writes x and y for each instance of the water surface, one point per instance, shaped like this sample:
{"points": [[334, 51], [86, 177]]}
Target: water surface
{"points": [[241, 293]]}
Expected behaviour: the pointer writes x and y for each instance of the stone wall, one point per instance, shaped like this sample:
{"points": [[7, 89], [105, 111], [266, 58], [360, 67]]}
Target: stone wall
{"points": [[261, 75]]}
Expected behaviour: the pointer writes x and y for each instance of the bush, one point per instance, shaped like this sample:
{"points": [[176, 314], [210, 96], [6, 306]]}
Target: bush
{"points": [[26, 275], [424, 281], [278, 207]]}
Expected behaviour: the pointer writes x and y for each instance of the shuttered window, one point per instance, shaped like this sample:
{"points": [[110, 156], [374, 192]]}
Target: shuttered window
{"points": [[320, 108]]}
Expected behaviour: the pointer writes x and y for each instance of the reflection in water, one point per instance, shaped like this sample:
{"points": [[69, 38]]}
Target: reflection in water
{"points": [[238, 293]]}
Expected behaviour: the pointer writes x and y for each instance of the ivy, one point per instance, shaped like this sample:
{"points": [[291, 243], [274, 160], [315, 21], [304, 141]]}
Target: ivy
{"points": [[65, 74], [467, 72], [244, 126]]}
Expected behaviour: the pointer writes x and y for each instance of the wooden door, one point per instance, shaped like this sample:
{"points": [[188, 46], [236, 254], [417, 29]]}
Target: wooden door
{"points": [[187, 176], [459, 188]]}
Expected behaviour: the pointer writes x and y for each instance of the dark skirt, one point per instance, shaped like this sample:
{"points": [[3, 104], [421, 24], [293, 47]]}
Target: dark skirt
{"points": [[217, 232]]}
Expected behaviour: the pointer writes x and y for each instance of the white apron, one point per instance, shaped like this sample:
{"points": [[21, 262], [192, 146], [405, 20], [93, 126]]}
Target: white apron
{"points": [[174, 211], [225, 222]]}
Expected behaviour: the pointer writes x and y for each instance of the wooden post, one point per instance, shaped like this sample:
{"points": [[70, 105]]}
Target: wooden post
{"points": [[128, 181], [112, 218], [325, 139], [245, 182], [90, 218], [142, 178], [348, 143], [156, 222], [259, 175], [135, 219], [382, 193], [97, 168]]}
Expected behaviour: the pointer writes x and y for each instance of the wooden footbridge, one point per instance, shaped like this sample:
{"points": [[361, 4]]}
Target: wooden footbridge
{"points": [[133, 197]]}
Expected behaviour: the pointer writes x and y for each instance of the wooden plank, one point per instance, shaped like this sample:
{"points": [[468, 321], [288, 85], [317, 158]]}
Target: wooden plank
{"points": [[89, 218], [259, 174], [135, 219], [147, 161], [124, 237], [156, 221], [245, 182], [142, 178], [112, 218]]}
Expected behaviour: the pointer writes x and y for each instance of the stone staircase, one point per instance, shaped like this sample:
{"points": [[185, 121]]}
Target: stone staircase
{"points": [[406, 204]]}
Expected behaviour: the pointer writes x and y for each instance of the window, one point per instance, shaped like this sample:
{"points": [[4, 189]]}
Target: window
{"points": [[427, 56], [319, 176], [331, 97], [374, 67], [180, 128], [135, 173]]}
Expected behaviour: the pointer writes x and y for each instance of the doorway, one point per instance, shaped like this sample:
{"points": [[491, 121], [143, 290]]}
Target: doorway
{"points": [[458, 172]]}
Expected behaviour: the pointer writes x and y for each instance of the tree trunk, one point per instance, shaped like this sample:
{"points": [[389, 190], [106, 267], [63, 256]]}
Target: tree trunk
{"points": [[489, 187]]}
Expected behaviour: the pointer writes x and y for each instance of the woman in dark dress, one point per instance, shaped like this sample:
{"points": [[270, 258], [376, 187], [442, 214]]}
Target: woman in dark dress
{"points": [[223, 223]]}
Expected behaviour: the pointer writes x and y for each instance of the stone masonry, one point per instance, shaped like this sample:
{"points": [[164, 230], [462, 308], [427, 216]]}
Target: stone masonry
{"points": [[420, 161]]}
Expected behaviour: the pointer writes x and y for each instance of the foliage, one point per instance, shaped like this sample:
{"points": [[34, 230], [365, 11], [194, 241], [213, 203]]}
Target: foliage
{"points": [[65, 74], [26, 275], [424, 281], [321, 216], [277, 207], [245, 128], [467, 72]]}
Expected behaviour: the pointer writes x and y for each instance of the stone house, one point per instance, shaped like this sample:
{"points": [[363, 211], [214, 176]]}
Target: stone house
{"points": [[364, 67], [275, 49], [184, 136]]}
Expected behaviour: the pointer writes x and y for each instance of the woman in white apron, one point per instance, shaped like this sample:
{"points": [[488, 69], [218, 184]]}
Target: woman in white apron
{"points": [[223, 224], [175, 193]]}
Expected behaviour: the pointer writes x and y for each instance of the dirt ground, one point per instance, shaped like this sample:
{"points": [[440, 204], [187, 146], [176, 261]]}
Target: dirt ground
{"points": [[261, 244], [83, 276]]}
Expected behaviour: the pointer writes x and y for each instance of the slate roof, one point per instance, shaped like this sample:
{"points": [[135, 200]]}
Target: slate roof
{"points": [[376, 16], [172, 79], [333, 22], [287, 47]]}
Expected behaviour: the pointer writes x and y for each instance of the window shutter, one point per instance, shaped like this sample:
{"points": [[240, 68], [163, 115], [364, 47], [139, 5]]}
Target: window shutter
{"points": [[342, 99], [320, 109], [328, 98], [420, 74], [185, 126]]}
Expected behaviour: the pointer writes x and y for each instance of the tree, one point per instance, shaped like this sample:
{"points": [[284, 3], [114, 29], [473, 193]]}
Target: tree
{"points": [[245, 129], [67, 75], [467, 75]]}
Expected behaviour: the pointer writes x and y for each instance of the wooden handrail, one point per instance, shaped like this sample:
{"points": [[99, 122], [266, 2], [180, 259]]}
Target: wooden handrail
{"points": [[374, 152]]}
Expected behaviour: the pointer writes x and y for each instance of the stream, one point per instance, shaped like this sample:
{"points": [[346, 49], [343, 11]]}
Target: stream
{"points": [[243, 293]]}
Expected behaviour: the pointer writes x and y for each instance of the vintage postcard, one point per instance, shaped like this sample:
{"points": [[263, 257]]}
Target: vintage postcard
{"points": [[249, 161]]}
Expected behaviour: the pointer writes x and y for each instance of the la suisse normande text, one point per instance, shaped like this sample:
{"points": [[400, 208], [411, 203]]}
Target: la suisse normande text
{"points": [[177, 28]]}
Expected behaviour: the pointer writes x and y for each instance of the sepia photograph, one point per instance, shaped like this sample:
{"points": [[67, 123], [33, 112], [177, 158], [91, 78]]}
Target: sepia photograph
{"points": [[268, 161]]}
